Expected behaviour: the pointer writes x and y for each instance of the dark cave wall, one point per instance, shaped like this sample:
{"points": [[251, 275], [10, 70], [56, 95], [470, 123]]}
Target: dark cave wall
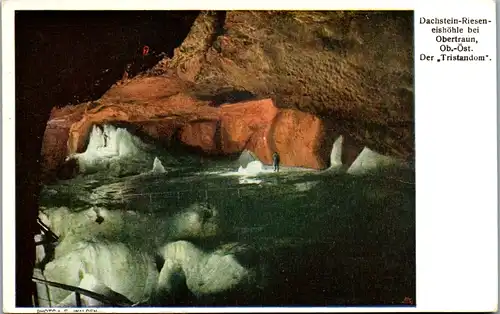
{"points": [[78, 55], [67, 57]]}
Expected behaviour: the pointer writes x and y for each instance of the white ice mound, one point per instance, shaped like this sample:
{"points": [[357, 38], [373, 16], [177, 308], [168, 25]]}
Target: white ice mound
{"points": [[90, 283], [111, 141], [112, 252], [205, 273], [254, 168], [246, 157], [199, 220], [109, 268], [369, 160], [336, 154], [113, 148], [251, 168], [158, 166]]}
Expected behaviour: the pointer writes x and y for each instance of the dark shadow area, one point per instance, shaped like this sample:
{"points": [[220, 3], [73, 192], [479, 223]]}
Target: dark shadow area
{"points": [[220, 20], [67, 57], [341, 46], [176, 145], [389, 140], [83, 52], [218, 135], [227, 97]]}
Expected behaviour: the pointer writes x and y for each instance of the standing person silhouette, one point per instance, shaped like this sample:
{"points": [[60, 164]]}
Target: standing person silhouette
{"points": [[276, 162], [102, 133], [105, 138]]}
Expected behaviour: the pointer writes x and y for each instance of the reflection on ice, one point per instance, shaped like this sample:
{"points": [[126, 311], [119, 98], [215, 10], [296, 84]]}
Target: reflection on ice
{"points": [[116, 253], [305, 186], [106, 268], [249, 181], [247, 174], [256, 168]]}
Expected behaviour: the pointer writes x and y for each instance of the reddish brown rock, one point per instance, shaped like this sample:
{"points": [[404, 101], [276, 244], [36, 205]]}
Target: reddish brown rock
{"points": [[354, 67], [154, 105], [54, 147], [301, 140], [156, 108], [160, 130], [240, 121], [258, 126], [79, 131], [144, 89], [200, 135], [259, 145]]}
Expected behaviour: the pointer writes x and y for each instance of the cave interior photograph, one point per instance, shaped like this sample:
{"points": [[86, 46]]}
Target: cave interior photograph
{"points": [[214, 158]]}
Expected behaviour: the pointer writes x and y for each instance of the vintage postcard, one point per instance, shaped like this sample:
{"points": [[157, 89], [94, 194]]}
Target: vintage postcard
{"points": [[263, 158]]}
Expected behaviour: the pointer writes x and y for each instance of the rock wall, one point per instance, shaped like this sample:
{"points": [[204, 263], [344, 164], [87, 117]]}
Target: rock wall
{"points": [[300, 139], [170, 116], [290, 82], [352, 69]]}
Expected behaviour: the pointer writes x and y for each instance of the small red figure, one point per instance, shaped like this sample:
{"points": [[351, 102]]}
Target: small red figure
{"points": [[408, 300], [145, 50]]}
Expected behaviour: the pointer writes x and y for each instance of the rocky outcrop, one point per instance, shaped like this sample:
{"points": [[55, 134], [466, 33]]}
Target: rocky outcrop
{"points": [[239, 122], [353, 69], [200, 135], [56, 136], [259, 144], [156, 108], [291, 82], [301, 139]]}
